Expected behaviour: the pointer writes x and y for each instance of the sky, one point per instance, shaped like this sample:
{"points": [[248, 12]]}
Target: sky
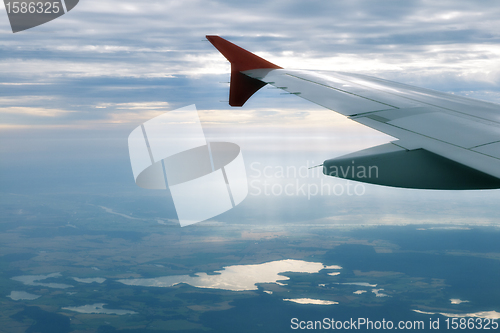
{"points": [[72, 90]]}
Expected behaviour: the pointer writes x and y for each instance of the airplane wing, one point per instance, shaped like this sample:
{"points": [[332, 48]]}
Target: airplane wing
{"points": [[444, 141]]}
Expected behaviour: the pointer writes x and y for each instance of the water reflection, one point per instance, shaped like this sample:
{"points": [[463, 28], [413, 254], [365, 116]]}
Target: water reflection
{"points": [[32, 280], [481, 314], [235, 278], [457, 301], [362, 284], [22, 296], [310, 301], [378, 293], [89, 280], [98, 308]]}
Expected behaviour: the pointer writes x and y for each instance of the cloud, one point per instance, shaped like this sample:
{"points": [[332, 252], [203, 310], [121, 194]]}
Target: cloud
{"points": [[92, 55], [121, 33], [38, 112], [107, 67]]}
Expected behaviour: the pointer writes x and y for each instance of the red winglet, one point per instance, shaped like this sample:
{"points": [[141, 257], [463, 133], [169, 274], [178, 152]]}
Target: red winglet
{"points": [[242, 86]]}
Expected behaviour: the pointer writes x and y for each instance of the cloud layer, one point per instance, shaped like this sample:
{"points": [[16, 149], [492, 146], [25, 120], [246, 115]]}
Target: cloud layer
{"points": [[121, 52]]}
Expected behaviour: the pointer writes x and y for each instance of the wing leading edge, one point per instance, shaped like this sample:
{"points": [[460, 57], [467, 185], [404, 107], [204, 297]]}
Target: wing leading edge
{"points": [[445, 141]]}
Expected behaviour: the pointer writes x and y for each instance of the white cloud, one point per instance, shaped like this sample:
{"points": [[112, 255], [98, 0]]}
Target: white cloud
{"points": [[33, 111]]}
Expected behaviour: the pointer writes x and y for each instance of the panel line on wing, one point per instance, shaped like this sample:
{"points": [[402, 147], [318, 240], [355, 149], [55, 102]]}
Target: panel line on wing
{"points": [[346, 92], [442, 95], [484, 144], [367, 85], [418, 134]]}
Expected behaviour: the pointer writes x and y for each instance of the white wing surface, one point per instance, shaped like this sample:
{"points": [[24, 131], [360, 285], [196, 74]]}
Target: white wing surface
{"points": [[445, 141]]}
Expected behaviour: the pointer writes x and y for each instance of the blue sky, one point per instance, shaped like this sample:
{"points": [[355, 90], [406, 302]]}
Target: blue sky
{"points": [[72, 90]]}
